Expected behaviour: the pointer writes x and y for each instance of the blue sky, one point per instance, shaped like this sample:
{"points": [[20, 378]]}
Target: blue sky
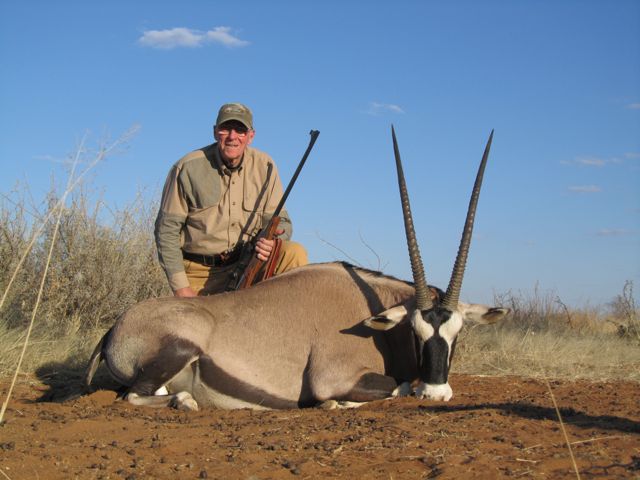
{"points": [[559, 81]]}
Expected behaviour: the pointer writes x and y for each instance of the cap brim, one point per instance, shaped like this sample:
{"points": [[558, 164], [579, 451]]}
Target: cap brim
{"points": [[236, 118]]}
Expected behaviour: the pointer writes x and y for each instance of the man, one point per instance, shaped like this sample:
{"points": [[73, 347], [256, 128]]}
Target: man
{"points": [[216, 199]]}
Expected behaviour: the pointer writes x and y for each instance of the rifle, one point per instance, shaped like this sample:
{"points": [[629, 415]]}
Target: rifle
{"points": [[244, 275]]}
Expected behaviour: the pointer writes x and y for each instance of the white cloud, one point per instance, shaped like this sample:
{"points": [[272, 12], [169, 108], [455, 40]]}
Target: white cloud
{"points": [[189, 38], [613, 232], [634, 106], [632, 155], [376, 108], [592, 161], [585, 189], [222, 35]]}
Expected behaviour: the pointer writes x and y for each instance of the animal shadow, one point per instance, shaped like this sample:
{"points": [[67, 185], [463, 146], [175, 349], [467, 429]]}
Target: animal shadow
{"points": [[65, 381], [536, 412]]}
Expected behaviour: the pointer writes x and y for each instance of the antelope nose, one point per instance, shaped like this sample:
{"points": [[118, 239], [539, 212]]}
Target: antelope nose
{"points": [[437, 393]]}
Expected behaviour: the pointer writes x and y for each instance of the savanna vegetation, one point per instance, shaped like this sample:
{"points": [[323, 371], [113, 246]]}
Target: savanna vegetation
{"points": [[103, 260]]}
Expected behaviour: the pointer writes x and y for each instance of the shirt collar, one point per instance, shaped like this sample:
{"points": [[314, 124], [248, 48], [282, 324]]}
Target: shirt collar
{"points": [[222, 167]]}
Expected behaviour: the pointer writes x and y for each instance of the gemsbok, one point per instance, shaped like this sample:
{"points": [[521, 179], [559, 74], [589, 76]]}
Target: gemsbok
{"points": [[330, 334]]}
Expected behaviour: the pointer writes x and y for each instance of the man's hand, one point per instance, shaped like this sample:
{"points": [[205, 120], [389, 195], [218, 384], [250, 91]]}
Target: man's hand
{"points": [[264, 247], [185, 292]]}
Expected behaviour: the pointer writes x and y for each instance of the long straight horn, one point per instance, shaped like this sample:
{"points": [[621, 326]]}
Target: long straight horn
{"points": [[455, 284], [423, 299]]}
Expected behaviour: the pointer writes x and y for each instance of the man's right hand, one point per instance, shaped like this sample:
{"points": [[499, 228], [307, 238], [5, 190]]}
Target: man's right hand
{"points": [[185, 292]]}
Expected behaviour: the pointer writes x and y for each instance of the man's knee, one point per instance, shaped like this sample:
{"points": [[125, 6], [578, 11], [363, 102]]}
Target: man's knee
{"points": [[293, 255]]}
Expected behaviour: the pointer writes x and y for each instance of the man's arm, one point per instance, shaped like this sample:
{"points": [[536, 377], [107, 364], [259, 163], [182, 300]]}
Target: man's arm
{"points": [[169, 223]]}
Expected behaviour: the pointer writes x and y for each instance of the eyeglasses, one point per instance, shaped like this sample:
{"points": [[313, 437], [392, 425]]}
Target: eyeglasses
{"points": [[240, 130]]}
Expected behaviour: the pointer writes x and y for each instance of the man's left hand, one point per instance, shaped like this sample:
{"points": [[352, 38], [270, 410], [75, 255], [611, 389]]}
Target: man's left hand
{"points": [[264, 247]]}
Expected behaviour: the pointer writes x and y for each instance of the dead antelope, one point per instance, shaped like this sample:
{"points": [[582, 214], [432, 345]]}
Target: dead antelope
{"points": [[329, 333]]}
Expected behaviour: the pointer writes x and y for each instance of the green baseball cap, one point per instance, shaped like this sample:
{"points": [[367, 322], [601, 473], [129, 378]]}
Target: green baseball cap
{"points": [[235, 111]]}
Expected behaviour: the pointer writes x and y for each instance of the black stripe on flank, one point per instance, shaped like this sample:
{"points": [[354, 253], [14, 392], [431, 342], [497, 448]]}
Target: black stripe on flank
{"points": [[216, 378], [173, 355]]}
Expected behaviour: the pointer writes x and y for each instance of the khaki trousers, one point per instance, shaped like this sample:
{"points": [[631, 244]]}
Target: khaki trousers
{"points": [[209, 280]]}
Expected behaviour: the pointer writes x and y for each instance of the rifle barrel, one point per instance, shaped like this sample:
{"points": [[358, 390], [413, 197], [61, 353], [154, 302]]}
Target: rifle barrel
{"points": [[314, 135]]}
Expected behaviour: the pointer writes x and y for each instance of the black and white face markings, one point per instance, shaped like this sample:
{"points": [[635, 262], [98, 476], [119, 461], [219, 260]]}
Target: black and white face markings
{"points": [[436, 330]]}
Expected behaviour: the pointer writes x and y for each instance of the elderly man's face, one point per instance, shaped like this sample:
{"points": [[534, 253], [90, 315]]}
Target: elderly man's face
{"points": [[233, 138]]}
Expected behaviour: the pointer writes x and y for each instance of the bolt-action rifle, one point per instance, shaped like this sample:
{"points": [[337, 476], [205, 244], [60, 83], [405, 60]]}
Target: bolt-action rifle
{"points": [[249, 265]]}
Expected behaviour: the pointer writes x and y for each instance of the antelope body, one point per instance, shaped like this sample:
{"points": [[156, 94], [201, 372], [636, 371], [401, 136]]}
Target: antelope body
{"points": [[320, 333]]}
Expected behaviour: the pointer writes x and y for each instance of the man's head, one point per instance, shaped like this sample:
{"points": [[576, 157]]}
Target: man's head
{"points": [[233, 132]]}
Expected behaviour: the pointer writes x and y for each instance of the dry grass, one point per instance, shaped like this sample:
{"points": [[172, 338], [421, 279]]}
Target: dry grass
{"points": [[102, 262], [543, 337], [98, 268], [69, 349], [105, 260]]}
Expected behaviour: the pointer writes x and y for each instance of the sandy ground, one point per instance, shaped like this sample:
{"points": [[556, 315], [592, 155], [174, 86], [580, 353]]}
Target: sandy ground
{"points": [[494, 427]]}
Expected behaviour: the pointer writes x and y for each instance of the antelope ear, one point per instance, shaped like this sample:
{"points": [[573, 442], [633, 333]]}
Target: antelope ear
{"points": [[484, 314], [388, 319]]}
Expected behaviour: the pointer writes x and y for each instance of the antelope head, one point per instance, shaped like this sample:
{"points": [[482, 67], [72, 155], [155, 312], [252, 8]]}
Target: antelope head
{"points": [[436, 321]]}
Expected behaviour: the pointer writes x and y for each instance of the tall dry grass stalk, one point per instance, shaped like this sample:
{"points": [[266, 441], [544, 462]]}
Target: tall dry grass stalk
{"points": [[69, 289], [565, 435], [44, 277], [71, 184], [104, 261]]}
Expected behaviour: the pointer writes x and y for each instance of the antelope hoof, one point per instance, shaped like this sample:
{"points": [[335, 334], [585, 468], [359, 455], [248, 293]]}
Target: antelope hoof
{"points": [[339, 404], [161, 391], [184, 401], [402, 390], [329, 405]]}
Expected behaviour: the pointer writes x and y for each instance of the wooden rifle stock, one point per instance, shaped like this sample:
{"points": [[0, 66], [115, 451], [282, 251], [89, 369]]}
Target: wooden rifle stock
{"points": [[255, 264]]}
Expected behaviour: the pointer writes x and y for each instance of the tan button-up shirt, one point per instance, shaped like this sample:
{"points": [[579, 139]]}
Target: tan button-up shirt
{"points": [[207, 208]]}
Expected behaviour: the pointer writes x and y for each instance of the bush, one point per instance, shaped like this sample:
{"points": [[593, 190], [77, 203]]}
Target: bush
{"points": [[103, 262], [625, 313]]}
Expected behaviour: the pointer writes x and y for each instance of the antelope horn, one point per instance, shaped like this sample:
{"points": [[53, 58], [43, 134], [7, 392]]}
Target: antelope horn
{"points": [[452, 296], [423, 299]]}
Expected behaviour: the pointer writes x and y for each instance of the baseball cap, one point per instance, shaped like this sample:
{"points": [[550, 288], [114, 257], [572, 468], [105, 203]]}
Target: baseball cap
{"points": [[235, 111]]}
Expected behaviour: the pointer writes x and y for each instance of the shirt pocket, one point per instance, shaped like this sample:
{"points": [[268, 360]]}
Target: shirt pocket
{"points": [[257, 190], [254, 198], [203, 189]]}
